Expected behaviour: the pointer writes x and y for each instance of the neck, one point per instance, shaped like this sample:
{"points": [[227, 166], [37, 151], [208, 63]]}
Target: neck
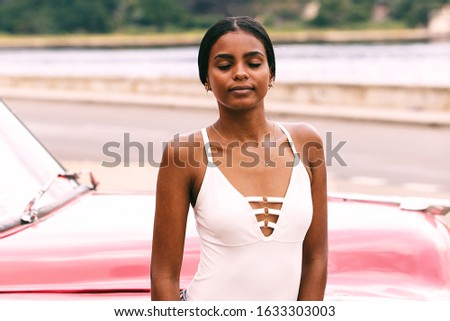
{"points": [[243, 126]]}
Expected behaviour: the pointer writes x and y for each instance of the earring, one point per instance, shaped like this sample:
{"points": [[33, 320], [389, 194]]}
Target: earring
{"points": [[270, 84], [207, 87]]}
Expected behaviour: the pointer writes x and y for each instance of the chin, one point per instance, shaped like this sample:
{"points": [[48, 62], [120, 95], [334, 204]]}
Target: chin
{"points": [[243, 105]]}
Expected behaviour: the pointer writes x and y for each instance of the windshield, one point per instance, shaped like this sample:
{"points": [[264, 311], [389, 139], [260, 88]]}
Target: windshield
{"points": [[25, 166]]}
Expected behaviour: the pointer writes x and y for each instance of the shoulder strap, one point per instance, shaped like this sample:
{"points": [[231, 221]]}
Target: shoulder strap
{"points": [[291, 142], [207, 146]]}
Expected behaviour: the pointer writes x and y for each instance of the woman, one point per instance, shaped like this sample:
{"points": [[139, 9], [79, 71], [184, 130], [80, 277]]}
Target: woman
{"points": [[258, 188]]}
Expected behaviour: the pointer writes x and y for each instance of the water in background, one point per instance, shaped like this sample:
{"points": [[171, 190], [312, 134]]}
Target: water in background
{"points": [[400, 64]]}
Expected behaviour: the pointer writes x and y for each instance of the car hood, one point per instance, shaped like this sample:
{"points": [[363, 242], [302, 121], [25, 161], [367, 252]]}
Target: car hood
{"points": [[99, 243], [378, 250]]}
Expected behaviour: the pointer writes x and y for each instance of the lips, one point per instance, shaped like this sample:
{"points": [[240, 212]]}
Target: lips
{"points": [[241, 88]]}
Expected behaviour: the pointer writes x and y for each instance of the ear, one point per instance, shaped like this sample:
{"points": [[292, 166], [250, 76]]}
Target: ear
{"points": [[271, 80]]}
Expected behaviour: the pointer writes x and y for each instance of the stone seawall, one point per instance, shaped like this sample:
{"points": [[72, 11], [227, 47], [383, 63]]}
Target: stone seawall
{"points": [[388, 97], [418, 98]]}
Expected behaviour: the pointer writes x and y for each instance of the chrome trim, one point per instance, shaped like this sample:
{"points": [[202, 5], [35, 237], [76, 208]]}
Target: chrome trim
{"points": [[433, 206]]}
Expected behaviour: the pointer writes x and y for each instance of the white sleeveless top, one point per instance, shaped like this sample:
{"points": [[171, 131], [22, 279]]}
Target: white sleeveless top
{"points": [[237, 262]]}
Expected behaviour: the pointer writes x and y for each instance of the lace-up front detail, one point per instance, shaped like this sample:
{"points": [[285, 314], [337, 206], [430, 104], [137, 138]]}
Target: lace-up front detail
{"points": [[266, 216]]}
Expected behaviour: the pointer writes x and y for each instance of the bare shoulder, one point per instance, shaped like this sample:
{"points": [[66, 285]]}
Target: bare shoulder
{"points": [[303, 133], [183, 150], [182, 167], [308, 143]]}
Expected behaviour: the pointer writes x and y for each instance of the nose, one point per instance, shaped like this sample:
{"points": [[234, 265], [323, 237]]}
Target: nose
{"points": [[240, 73]]}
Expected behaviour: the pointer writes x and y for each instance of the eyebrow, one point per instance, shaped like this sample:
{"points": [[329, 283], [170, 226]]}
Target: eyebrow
{"points": [[246, 55]]}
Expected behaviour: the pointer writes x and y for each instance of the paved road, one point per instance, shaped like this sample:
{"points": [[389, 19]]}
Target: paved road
{"points": [[380, 158]]}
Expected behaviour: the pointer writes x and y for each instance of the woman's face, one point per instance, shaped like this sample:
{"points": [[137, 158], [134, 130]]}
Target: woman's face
{"points": [[238, 71]]}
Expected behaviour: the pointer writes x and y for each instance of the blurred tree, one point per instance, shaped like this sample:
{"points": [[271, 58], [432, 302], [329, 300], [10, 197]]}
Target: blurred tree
{"points": [[331, 13], [414, 12], [56, 16], [81, 15], [18, 16], [122, 14], [160, 13], [202, 6], [360, 10], [98, 16], [334, 13], [222, 7]]}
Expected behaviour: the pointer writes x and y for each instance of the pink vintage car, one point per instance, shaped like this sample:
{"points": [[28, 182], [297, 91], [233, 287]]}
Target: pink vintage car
{"points": [[61, 238]]}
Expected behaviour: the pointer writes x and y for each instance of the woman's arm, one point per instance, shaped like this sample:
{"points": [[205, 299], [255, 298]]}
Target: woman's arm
{"points": [[172, 206], [315, 244]]}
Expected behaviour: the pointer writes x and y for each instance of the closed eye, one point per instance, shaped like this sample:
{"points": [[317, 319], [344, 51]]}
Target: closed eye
{"points": [[224, 67], [254, 64]]}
